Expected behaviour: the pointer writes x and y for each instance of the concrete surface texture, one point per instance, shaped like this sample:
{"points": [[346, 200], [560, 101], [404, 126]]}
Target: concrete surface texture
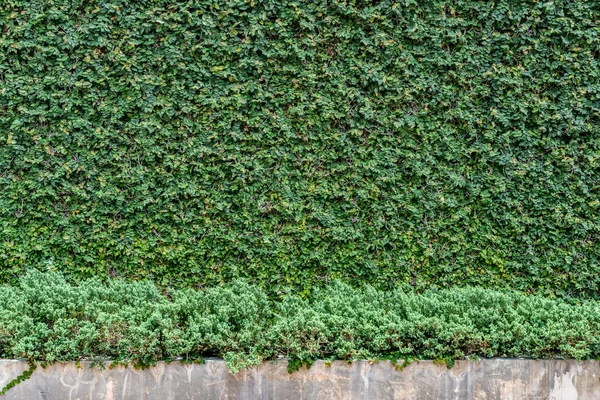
{"points": [[490, 379]]}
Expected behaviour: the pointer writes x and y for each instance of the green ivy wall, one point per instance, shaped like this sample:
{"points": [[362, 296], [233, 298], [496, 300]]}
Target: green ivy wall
{"points": [[429, 143]]}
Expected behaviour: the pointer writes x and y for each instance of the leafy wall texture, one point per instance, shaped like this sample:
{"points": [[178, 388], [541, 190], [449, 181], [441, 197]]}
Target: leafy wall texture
{"points": [[296, 142]]}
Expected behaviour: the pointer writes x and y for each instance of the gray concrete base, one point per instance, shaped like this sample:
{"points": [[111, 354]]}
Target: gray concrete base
{"points": [[492, 379]]}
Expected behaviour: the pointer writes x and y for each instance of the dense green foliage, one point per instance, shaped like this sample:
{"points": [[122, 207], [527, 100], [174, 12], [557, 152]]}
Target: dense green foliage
{"points": [[45, 319], [296, 142]]}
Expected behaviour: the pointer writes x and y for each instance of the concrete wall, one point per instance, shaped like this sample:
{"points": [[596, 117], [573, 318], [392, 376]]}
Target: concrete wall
{"points": [[493, 379]]}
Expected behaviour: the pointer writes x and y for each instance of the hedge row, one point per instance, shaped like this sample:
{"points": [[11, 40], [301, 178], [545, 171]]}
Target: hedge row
{"points": [[294, 142], [46, 319]]}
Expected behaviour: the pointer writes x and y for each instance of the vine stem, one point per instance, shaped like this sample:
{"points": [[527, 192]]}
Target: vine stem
{"points": [[23, 377]]}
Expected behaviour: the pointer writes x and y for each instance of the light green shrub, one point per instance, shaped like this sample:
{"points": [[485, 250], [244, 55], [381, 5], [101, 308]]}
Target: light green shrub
{"points": [[46, 319]]}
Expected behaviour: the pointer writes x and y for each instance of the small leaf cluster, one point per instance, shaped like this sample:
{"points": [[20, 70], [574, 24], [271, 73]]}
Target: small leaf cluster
{"points": [[46, 319], [293, 142]]}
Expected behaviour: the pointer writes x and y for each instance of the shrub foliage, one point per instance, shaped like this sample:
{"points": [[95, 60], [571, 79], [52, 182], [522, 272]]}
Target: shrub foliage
{"points": [[430, 142], [46, 319]]}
